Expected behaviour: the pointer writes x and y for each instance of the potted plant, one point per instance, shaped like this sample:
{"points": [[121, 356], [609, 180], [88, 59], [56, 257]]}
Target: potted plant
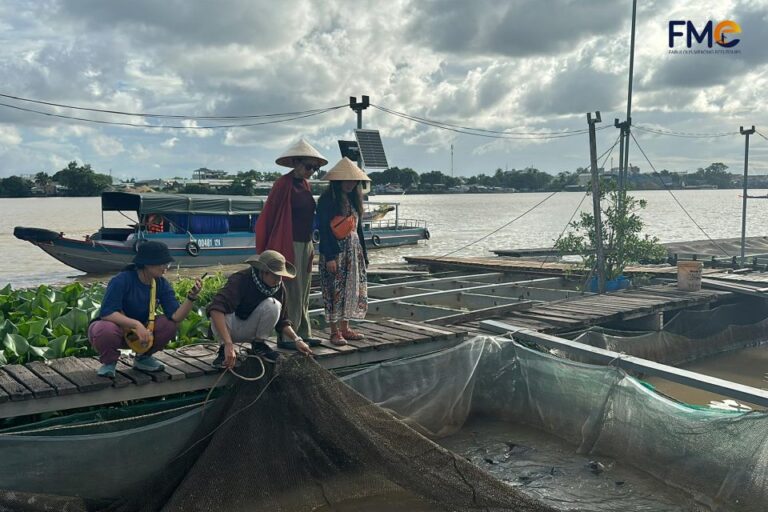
{"points": [[623, 240]]}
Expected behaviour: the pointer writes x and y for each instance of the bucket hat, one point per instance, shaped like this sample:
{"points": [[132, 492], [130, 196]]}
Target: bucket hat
{"points": [[274, 262], [300, 151], [152, 253], [346, 170]]}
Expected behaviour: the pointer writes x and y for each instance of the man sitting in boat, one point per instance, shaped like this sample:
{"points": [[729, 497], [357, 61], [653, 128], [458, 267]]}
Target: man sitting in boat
{"points": [[127, 316], [153, 223], [250, 306]]}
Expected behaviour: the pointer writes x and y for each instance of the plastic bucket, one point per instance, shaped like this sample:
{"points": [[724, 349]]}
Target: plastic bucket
{"points": [[689, 275]]}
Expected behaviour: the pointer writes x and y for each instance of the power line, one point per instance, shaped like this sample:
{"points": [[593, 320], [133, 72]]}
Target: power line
{"points": [[481, 132], [169, 116], [656, 173], [688, 135], [174, 127]]}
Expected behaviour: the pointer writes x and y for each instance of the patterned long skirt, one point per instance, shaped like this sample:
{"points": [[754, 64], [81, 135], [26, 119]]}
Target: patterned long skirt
{"points": [[345, 293]]}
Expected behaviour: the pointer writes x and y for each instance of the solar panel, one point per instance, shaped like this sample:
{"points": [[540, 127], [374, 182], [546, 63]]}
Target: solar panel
{"points": [[349, 149], [371, 148]]}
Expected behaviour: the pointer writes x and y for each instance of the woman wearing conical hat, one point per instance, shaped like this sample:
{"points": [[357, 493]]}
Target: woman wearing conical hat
{"points": [[285, 225], [343, 258]]}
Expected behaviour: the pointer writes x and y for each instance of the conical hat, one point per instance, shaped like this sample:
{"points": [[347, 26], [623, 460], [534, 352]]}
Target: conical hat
{"points": [[346, 170], [300, 150]]}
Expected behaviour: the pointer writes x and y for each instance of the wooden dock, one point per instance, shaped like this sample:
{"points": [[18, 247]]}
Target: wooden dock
{"points": [[71, 383], [494, 264]]}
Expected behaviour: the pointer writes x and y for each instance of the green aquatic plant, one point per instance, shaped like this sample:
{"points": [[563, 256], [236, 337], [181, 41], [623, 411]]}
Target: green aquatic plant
{"points": [[623, 240], [50, 322]]}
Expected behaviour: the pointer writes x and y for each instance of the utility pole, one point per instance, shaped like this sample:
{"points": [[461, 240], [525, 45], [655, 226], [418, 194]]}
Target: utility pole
{"points": [[746, 133], [358, 108], [451, 160], [596, 202]]}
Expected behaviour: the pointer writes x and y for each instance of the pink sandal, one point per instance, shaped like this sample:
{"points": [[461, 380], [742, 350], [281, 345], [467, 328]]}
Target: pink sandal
{"points": [[337, 339], [351, 335]]}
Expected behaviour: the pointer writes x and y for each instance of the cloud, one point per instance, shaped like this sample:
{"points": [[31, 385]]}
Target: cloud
{"points": [[9, 136], [522, 29], [106, 146], [169, 143]]}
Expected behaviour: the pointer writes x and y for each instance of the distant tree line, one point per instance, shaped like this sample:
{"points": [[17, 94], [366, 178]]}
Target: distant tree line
{"points": [[73, 180], [81, 180]]}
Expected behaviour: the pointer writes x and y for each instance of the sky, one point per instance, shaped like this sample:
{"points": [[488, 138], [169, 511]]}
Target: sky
{"points": [[524, 72]]}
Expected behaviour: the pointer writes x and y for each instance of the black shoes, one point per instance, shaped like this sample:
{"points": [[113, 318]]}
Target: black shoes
{"points": [[218, 363], [313, 342], [264, 351]]}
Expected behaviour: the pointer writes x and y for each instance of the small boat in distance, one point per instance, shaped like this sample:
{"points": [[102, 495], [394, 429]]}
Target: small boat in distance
{"points": [[199, 230]]}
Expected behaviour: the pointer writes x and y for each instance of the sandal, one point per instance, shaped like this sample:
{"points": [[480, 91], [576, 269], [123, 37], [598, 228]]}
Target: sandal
{"points": [[337, 339], [351, 335]]}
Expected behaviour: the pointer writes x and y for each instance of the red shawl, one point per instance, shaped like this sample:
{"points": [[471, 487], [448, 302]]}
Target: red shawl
{"points": [[274, 227]]}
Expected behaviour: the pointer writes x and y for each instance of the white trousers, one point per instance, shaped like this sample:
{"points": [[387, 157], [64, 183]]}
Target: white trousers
{"points": [[259, 325]]}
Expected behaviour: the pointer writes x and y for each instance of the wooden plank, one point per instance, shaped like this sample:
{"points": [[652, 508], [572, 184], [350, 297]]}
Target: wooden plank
{"points": [[429, 332], [54, 379], [16, 390], [203, 363], [172, 359], [173, 367], [80, 374], [480, 314], [398, 334], [38, 387]]}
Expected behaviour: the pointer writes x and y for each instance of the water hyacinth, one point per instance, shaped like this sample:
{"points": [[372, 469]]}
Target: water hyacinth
{"points": [[51, 322]]}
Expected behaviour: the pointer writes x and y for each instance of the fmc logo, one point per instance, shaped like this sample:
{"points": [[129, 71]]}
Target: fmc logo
{"points": [[722, 34]]}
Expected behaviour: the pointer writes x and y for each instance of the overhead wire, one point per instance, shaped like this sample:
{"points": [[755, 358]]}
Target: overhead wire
{"points": [[173, 127], [482, 132], [656, 173], [169, 116], [690, 135]]}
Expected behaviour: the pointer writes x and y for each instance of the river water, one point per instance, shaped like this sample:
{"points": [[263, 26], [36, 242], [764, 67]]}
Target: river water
{"points": [[454, 221]]}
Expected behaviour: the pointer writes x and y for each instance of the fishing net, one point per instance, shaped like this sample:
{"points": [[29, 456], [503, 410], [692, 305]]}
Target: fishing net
{"points": [[717, 458], [304, 440], [688, 336]]}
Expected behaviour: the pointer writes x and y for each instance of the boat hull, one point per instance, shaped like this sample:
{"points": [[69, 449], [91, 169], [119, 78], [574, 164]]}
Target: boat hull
{"points": [[96, 256]]}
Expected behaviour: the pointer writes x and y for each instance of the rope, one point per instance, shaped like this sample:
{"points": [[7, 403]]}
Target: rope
{"points": [[656, 173]]}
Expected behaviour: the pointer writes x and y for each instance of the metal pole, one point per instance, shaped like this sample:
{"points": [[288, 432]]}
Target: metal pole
{"points": [[596, 202], [629, 94], [747, 133]]}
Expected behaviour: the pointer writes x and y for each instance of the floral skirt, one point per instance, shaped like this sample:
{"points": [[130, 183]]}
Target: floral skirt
{"points": [[345, 293]]}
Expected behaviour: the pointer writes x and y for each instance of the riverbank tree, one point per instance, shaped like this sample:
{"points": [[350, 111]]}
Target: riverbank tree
{"points": [[82, 180]]}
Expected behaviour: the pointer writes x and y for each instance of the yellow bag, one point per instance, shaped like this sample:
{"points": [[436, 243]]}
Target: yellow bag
{"points": [[132, 339]]}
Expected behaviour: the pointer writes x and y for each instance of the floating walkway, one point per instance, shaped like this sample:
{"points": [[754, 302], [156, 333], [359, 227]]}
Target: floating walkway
{"points": [[71, 383]]}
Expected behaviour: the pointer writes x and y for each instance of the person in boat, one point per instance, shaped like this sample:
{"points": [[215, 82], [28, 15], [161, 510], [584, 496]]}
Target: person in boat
{"points": [[127, 318], [250, 306], [285, 225], [343, 257], [153, 223]]}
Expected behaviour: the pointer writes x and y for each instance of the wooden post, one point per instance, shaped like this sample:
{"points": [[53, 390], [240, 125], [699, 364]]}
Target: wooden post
{"points": [[596, 202]]}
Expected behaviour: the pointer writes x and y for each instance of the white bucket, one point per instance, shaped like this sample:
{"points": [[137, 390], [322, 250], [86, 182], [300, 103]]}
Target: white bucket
{"points": [[689, 275]]}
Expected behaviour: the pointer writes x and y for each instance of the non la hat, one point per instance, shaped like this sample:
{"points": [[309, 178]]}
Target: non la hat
{"points": [[152, 253], [346, 170], [274, 262], [299, 151]]}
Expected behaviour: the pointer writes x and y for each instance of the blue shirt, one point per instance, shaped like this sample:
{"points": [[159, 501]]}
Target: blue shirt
{"points": [[128, 295]]}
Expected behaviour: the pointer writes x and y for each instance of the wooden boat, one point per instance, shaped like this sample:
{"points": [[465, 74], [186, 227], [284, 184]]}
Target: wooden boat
{"points": [[199, 230]]}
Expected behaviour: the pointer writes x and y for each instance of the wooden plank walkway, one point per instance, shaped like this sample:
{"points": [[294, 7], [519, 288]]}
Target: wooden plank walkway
{"points": [[493, 264], [71, 383], [581, 312]]}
